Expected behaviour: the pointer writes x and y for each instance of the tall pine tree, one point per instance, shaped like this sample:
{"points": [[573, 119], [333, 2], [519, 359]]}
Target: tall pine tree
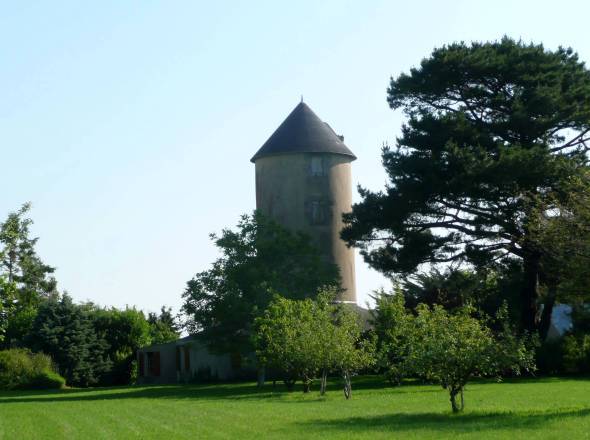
{"points": [[496, 133]]}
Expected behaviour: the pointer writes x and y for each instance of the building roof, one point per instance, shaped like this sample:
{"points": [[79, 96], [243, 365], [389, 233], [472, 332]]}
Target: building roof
{"points": [[303, 132]]}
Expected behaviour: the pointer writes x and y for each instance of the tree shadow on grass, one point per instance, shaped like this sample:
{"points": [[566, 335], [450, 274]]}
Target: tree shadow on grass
{"points": [[229, 391], [211, 391], [441, 422], [218, 391], [177, 392]]}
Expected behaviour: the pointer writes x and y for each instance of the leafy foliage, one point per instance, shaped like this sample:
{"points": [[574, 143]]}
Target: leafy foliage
{"points": [[286, 338], [563, 232], [496, 133], [26, 279], [65, 331], [392, 326], [19, 368], [8, 294], [91, 345], [304, 337], [486, 289], [122, 333], [451, 349], [163, 327], [258, 258], [18, 258]]}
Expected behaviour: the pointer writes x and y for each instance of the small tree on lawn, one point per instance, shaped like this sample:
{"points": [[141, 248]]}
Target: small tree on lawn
{"points": [[325, 333], [453, 348], [285, 338], [391, 325], [351, 352], [303, 337]]}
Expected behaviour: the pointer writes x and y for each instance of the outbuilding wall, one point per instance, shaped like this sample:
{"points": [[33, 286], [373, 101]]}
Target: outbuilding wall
{"points": [[174, 367]]}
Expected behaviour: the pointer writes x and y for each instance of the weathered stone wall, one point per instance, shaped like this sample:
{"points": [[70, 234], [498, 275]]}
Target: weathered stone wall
{"points": [[309, 192]]}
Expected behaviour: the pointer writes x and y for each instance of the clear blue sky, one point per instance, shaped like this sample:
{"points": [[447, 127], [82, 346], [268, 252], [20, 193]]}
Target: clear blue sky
{"points": [[130, 125]]}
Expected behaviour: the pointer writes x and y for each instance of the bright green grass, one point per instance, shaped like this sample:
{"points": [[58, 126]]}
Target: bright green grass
{"points": [[527, 409]]}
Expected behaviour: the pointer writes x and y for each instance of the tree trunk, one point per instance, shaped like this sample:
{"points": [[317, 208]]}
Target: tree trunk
{"points": [[453, 392], [324, 380], [347, 384], [306, 384], [261, 376], [548, 305], [530, 293], [289, 383]]}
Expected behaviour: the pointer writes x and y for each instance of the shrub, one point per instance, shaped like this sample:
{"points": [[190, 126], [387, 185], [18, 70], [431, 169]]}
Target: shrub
{"points": [[576, 353], [19, 368], [45, 380], [550, 357]]}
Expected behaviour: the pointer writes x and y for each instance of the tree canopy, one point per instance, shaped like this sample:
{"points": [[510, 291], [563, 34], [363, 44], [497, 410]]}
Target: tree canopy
{"points": [[496, 133], [26, 279], [163, 327], [259, 259], [452, 348], [447, 347], [18, 258], [65, 331], [304, 337]]}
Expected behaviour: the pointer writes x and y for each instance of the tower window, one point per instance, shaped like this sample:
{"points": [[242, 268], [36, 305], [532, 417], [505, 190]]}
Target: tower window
{"points": [[318, 213], [317, 166]]}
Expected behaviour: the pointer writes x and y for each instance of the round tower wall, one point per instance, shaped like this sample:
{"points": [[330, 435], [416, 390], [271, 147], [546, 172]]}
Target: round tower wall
{"points": [[309, 192]]}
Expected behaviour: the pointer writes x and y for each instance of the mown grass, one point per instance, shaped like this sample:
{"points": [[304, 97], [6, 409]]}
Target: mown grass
{"points": [[534, 408]]}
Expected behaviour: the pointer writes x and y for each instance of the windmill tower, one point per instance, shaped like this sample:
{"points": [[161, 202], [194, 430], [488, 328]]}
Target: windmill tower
{"points": [[303, 181]]}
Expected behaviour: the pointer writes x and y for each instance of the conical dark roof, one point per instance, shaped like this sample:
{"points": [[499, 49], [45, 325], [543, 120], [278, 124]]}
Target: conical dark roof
{"points": [[303, 132]]}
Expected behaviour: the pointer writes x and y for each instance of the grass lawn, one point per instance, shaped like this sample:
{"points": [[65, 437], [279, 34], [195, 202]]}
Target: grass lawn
{"points": [[536, 409]]}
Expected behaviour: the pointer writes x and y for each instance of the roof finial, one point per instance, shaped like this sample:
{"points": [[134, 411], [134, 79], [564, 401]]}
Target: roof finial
{"points": [[301, 98]]}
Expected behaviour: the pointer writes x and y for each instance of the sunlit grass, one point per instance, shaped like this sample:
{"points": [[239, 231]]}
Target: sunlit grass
{"points": [[539, 408]]}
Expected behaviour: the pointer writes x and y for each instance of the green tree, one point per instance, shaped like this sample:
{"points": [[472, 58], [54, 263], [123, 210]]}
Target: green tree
{"points": [[163, 327], [350, 351], [451, 349], [18, 259], [65, 331], [123, 332], [486, 288], [496, 132], [340, 343], [305, 337], [258, 258], [23, 269], [8, 294], [285, 338], [563, 232], [392, 327]]}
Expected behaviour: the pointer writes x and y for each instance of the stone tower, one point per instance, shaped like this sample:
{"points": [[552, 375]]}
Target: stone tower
{"points": [[303, 182]]}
